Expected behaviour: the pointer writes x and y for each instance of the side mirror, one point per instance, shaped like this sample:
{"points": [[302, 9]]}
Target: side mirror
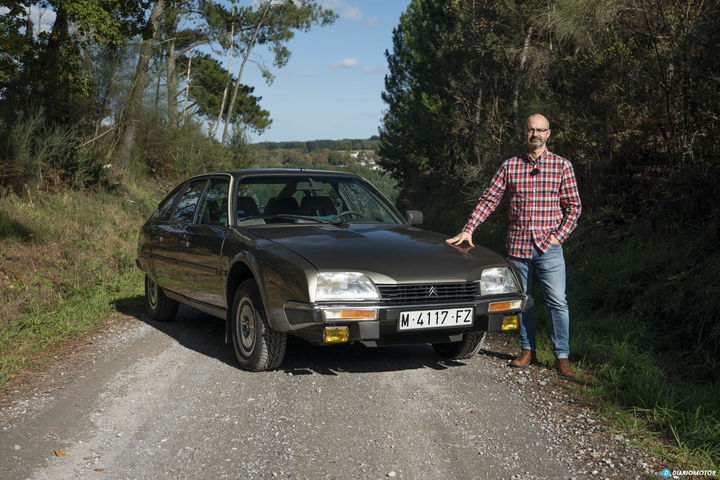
{"points": [[414, 217]]}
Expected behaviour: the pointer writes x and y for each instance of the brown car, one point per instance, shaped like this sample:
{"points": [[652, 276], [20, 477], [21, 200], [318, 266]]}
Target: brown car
{"points": [[322, 255]]}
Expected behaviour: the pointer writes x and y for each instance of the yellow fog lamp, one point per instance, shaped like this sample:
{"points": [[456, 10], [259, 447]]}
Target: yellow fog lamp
{"points": [[504, 306], [510, 322], [336, 334], [350, 313]]}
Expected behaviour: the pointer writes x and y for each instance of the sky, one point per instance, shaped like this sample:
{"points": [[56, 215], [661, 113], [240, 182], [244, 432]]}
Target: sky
{"points": [[330, 88]]}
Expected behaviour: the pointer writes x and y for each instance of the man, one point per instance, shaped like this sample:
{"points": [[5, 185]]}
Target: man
{"points": [[544, 209]]}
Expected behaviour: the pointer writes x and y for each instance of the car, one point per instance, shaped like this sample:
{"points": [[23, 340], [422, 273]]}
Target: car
{"points": [[322, 255]]}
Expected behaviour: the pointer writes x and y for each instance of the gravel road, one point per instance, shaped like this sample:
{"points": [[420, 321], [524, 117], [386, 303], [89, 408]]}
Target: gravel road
{"points": [[144, 400]]}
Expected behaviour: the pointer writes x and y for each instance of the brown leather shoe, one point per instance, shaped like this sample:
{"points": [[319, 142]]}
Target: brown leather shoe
{"points": [[525, 359], [563, 367]]}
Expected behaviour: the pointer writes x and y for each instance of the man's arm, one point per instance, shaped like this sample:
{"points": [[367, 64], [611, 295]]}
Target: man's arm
{"points": [[486, 205], [569, 203]]}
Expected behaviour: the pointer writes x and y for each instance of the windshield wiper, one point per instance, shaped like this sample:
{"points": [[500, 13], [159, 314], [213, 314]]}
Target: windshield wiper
{"points": [[337, 222]]}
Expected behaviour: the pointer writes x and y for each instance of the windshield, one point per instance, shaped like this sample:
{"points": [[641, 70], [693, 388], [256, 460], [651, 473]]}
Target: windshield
{"points": [[310, 199]]}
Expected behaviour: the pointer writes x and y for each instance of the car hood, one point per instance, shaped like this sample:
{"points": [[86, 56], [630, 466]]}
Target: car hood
{"points": [[388, 254]]}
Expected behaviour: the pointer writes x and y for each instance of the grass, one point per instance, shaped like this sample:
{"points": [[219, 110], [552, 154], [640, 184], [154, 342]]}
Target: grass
{"points": [[634, 309], [65, 260], [24, 338], [638, 302]]}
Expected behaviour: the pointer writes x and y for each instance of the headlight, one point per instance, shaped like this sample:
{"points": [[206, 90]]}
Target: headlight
{"points": [[333, 286], [497, 280]]}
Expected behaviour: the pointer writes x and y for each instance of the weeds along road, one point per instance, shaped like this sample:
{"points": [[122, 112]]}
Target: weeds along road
{"points": [[165, 401]]}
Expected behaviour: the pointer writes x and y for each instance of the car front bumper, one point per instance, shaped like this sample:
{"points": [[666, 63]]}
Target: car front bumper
{"points": [[308, 320]]}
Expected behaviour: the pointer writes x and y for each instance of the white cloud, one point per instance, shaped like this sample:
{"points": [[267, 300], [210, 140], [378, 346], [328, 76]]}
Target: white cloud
{"points": [[372, 21], [343, 9], [346, 63]]}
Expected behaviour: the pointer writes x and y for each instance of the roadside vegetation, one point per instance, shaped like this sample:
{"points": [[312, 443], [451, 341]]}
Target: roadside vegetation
{"points": [[65, 259], [632, 97]]}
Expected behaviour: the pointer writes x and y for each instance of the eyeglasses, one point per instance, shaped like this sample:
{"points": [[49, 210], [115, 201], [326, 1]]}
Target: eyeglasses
{"points": [[536, 130]]}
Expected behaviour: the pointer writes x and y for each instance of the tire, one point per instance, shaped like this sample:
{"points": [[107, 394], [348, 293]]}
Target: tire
{"points": [[465, 348], [257, 346], [157, 305]]}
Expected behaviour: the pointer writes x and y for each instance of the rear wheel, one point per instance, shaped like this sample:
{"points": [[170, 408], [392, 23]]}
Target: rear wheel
{"points": [[157, 305], [257, 346], [465, 348]]}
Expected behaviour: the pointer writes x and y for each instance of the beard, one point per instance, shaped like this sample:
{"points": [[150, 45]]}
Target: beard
{"points": [[535, 142]]}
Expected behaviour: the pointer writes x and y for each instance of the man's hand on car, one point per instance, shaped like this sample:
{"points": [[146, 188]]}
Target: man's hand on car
{"points": [[460, 238]]}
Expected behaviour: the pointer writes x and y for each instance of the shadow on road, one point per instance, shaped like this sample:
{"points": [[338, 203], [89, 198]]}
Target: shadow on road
{"points": [[206, 335], [191, 328]]}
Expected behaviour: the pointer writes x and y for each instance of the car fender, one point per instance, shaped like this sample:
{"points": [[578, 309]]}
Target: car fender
{"points": [[280, 274]]}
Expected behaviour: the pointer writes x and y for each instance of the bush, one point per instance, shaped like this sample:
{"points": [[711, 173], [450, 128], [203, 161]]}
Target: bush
{"points": [[36, 154], [179, 152]]}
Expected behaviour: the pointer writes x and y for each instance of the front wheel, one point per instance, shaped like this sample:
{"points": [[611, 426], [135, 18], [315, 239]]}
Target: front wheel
{"points": [[157, 305], [257, 346], [465, 348]]}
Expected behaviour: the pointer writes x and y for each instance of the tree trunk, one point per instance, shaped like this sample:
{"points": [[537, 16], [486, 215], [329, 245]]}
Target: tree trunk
{"points": [[131, 117], [227, 84], [187, 88], [171, 84], [518, 77], [246, 57]]}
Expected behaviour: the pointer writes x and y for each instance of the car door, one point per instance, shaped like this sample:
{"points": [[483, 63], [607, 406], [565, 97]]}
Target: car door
{"points": [[170, 235], [153, 236], [202, 246]]}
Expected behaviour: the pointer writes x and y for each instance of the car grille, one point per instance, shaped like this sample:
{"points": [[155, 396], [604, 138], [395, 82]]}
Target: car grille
{"points": [[429, 292]]}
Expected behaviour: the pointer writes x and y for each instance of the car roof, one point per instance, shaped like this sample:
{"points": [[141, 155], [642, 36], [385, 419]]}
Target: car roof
{"points": [[282, 171]]}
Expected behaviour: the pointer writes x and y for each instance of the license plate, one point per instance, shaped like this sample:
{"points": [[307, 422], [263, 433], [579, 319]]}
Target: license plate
{"points": [[422, 319]]}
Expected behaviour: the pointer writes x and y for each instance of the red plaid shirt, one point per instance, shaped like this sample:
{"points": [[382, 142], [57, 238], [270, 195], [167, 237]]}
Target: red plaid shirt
{"points": [[544, 204]]}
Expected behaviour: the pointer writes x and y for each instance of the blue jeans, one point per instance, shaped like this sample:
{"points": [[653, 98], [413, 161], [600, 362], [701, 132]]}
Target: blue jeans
{"points": [[550, 268]]}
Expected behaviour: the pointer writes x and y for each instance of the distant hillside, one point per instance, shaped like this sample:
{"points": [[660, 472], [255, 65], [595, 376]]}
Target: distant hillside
{"points": [[371, 143]]}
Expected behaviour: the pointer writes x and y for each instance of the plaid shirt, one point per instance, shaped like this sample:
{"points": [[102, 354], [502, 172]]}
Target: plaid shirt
{"points": [[544, 204]]}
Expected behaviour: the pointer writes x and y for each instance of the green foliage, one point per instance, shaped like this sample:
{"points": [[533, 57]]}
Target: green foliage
{"points": [[60, 275], [33, 150], [449, 92], [639, 317], [632, 95], [90, 75], [371, 143], [47, 69], [208, 79], [179, 152]]}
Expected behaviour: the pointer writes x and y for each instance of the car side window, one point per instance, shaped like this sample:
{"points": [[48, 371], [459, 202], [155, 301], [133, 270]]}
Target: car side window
{"points": [[165, 208], [185, 210], [214, 203]]}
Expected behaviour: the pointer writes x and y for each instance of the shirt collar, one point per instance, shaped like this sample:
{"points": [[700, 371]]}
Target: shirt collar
{"points": [[540, 157]]}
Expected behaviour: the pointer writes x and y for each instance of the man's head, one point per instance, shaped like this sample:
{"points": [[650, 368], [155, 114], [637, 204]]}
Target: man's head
{"points": [[537, 131]]}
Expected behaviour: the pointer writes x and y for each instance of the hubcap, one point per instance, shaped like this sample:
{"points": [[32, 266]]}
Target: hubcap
{"points": [[245, 328], [152, 292]]}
